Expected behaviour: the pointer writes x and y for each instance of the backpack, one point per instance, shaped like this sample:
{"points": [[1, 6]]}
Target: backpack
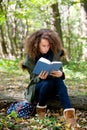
{"points": [[23, 109]]}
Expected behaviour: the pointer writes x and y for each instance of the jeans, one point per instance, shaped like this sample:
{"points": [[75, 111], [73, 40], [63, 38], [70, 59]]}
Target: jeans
{"points": [[51, 87]]}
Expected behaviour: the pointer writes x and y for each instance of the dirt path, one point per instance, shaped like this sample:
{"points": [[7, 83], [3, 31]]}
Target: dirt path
{"points": [[14, 84]]}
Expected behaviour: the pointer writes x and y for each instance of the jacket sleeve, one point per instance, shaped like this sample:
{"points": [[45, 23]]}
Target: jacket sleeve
{"points": [[63, 76], [28, 64]]}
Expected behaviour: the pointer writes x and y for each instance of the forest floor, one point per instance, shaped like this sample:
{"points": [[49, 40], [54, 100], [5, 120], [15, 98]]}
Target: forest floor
{"points": [[13, 84]]}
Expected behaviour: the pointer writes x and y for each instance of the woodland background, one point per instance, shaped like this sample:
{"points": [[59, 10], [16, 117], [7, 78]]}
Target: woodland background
{"points": [[19, 18]]}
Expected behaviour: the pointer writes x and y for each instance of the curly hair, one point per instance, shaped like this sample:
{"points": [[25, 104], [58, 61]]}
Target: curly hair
{"points": [[31, 44]]}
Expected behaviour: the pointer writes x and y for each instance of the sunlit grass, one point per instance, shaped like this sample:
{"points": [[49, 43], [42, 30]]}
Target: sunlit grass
{"points": [[10, 66], [75, 73], [76, 77], [72, 69]]}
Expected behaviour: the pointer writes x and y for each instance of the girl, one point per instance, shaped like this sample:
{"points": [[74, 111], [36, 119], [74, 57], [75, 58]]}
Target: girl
{"points": [[46, 43]]}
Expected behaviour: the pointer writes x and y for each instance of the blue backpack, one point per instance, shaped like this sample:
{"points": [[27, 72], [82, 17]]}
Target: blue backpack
{"points": [[23, 109]]}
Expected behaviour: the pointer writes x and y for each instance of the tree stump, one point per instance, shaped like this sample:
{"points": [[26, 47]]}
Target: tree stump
{"points": [[77, 102]]}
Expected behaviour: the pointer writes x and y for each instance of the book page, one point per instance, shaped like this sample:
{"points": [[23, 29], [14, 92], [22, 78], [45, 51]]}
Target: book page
{"points": [[44, 60], [56, 62]]}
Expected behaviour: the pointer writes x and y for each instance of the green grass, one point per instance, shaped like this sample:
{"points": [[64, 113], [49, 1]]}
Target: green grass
{"points": [[76, 74], [76, 77], [77, 70], [9, 65], [72, 69]]}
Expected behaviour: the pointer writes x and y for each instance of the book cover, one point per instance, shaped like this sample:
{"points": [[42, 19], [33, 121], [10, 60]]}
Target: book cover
{"points": [[45, 65]]}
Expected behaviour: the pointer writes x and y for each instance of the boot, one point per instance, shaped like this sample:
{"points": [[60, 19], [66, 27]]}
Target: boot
{"points": [[41, 111], [69, 115]]}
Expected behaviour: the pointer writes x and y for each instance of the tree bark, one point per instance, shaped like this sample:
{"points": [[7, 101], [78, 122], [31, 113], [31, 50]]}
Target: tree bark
{"points": [[84, 27], [77, 102], [3, 42], [57, 19]]}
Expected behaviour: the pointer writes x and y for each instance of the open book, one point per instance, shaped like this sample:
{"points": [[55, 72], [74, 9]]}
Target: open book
{"points": [[45, 65]]}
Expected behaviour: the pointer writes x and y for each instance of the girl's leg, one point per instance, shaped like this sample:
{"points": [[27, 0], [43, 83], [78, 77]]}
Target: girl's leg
{"points": [[62, 93], [69, 113], [43, 90]]}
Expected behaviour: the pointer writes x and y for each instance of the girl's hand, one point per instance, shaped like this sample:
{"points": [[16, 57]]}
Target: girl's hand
{"points": [[43, 75], [57, 74]]}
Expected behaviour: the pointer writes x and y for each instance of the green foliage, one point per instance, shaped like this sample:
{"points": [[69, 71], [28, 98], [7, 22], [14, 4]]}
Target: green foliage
{"points": [[9, 65], [24, 16], [13, 114], [76, 77], [34, 123], [77, 66], [2, 18], [9, 122], [76, 70], [72, 68]]}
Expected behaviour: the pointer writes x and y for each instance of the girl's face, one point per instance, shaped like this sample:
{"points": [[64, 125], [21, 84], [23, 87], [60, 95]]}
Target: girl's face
{"points": [[44, 46]]}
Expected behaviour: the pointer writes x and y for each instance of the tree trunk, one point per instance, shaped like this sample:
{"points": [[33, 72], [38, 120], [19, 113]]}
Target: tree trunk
{"points": [[57, 20], [3, 43], [84, 27], [77, 102]]}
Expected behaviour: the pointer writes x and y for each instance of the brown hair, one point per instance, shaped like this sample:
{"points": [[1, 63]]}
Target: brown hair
{"points": [[31, 44]]}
